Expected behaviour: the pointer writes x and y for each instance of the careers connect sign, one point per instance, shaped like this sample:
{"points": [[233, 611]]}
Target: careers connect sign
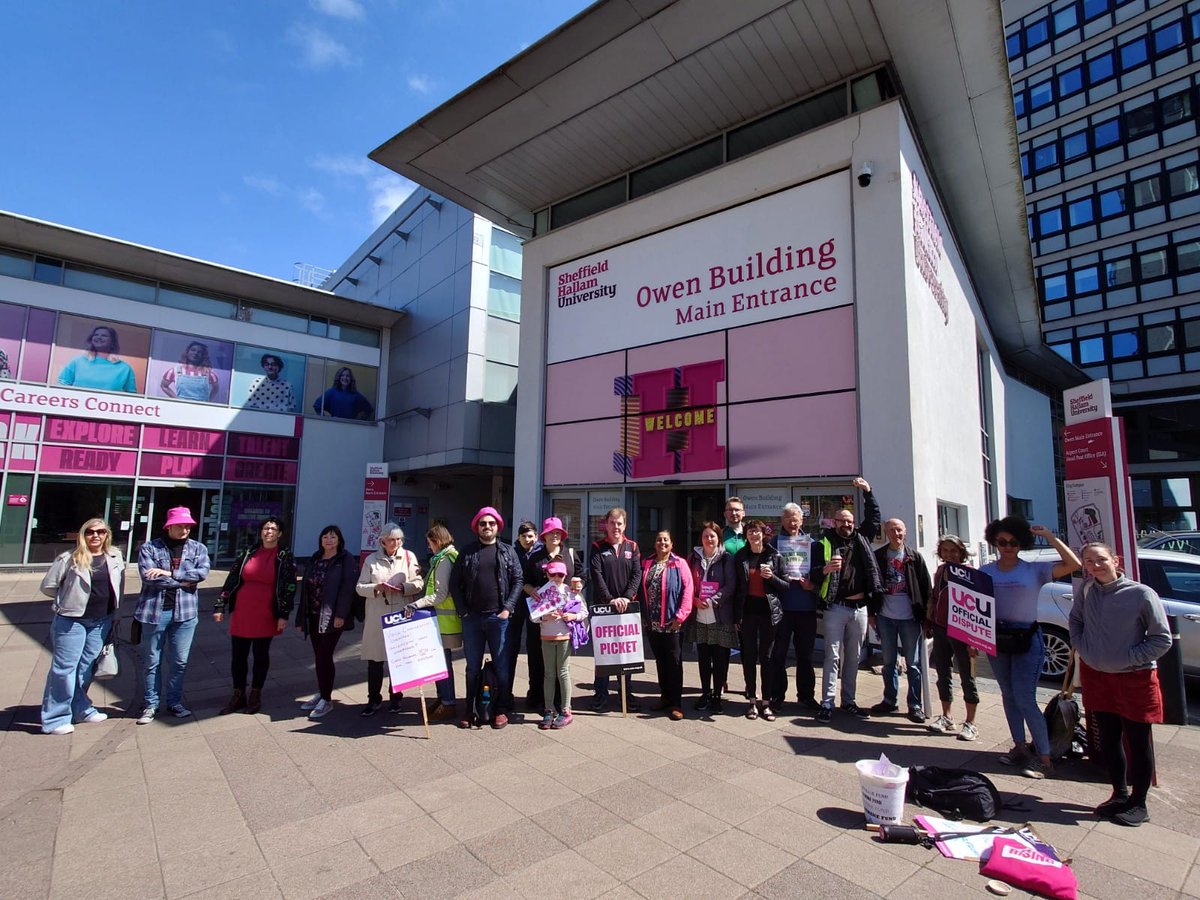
{"points": [[781, 255]]}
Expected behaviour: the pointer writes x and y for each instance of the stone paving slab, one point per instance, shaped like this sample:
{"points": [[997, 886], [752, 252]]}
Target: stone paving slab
{"points": [[274, 806]]}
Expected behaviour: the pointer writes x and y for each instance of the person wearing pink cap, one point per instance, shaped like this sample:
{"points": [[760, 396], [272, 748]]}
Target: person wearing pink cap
{"points": [[561, 615], [553, 548], [486, 584], [171, 568]]}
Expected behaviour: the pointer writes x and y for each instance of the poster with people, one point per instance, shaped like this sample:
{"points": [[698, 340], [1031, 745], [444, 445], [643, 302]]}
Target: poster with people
{"points": [[266, 379], [12, 330], [183, 367], [100, 355], [347, 392]]}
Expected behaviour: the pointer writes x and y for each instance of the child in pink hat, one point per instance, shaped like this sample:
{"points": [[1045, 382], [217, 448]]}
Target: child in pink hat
{"points": [[563, 617]]}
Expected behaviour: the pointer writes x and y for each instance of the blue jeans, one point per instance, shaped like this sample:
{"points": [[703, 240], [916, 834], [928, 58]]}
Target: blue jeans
{"points": [[74, 644], [1018, 675], [480, 632], [908, 633], [175, 638], [445, 687]]}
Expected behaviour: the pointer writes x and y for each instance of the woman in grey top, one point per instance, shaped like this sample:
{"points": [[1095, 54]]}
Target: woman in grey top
{"points": [[1119, 628]]}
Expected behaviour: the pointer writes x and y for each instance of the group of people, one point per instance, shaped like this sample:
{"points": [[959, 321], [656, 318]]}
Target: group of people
{"points": [[737, 590]]}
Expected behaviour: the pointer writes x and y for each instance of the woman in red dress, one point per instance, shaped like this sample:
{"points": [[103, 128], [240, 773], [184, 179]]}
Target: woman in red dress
{"points": [[258, 594]]}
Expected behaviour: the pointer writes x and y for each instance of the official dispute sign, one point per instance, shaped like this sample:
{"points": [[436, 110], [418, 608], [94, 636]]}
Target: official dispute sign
{"points": [[414, 649], [971, 612], [617, 639]]}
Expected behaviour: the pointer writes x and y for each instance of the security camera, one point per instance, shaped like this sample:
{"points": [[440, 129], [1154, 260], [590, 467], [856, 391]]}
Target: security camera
{"points": [[864, 174]]}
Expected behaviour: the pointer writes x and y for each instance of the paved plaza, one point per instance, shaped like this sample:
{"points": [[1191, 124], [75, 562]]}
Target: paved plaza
{"points": [[273, 805]]}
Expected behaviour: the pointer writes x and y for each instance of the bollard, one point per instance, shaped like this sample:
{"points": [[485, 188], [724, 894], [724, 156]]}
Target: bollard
{"points": [[1170, 679]]}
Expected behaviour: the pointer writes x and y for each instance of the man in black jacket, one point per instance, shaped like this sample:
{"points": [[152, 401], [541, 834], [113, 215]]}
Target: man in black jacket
{"points": [[897, 616], [615, 566], [486, 584]]}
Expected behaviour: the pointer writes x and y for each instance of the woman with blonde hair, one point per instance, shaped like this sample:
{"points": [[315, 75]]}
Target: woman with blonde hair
{"points": [[389, 581], [86, 585], [952, 551]]}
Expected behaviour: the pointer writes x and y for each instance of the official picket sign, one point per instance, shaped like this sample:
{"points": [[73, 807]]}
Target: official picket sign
{"points": [[617, 641], [414, 649], [971, 616]]}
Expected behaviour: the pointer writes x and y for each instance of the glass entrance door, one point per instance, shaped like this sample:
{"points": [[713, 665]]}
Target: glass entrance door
{"points": [[681, 511], [150, 511]]}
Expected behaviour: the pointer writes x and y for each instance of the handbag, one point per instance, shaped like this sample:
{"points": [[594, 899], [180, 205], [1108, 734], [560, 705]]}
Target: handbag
{"points": [[1062, 714], [1015, 640], [107, 665]]}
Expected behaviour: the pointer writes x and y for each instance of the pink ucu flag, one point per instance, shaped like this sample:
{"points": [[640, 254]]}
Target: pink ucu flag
{"points": [[681, 434]]}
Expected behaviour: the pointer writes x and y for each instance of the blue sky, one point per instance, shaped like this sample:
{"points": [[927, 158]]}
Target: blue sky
{"points": [[234, 130]]}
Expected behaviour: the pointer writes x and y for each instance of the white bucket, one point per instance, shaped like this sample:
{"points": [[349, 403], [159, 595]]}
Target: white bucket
{"points": [[883, 786]]}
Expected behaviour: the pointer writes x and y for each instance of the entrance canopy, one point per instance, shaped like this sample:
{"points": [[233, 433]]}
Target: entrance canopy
{"points": [[628, 82]]}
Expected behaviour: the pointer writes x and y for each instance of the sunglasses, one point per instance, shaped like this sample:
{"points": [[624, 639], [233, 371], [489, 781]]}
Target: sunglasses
{"points": [[100, 531], [1001, 542], [487, 523]]}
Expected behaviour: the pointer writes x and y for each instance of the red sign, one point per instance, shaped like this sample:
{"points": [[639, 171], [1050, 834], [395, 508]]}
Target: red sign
{"points": [[262, 470], [376, 488], [671, 421], [88, 431], [1088, 449], [268, 446], [18, 499], [172, 465], [88, 460], [183, 440]]}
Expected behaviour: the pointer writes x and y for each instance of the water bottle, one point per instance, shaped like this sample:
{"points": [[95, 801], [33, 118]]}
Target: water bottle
{"points": [[487, 694]]}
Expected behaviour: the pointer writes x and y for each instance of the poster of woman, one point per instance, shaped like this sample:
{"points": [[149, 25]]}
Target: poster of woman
{"points": [[183, 367], [100, 355], [348, 393]]}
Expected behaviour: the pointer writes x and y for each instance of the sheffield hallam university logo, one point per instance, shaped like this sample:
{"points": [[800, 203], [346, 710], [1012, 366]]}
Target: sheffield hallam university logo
{"points": [[669, 421]]}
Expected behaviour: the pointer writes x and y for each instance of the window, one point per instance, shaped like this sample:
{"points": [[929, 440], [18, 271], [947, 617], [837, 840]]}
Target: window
{"points": [[1160, 339], [1070, 82], [1094, 8], [1124, 343], [1168, 38], [277, 318], [1013, 44], [1080, 212], [1063, 350], [1118, 272], [1191, 333], [105, 283], [1100, 69], [1183, 181], [504, 297], [1187, 256], [1037, 33], [1019, 103], [1054, 287], [1139, 121], [1050, 221], [1065, 20], [1153, 264], [1133, 54], [1045, 157], [1105, 134], [1024, 165], [1041, 95], [1183, 580], [1176, 107], [18, 265], [505, 253], [48, 270], [1091, 351], [1147, 192], [1112, 203], [1075, 145], [177, 298], [1087, 280]]}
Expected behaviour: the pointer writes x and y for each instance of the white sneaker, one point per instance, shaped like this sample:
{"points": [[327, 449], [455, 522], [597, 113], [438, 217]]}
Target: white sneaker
{"points": [[312, 702], [147, 715], [322, 707], [62, 729], [942, 725], [969, 732], [96, 716]]}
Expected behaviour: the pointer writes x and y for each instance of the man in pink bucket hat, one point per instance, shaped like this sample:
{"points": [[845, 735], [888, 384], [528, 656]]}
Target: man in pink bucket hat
{"points": [[171, 568]]}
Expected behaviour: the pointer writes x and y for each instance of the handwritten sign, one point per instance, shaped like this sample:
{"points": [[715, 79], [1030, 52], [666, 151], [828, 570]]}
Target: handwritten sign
{"points": [[971, 614], [545, 602], [414, 649], [617, 639]]}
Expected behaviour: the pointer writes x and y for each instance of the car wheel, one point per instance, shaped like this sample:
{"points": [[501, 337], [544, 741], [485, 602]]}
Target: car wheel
{"points": [[1058, 651]]}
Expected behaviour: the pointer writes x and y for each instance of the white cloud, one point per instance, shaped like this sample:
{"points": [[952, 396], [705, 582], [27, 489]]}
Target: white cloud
{"points": [[385, 189], [318, 50], [307, 197], [341, 165], [422, 84], [268, 184], [341, 9]]}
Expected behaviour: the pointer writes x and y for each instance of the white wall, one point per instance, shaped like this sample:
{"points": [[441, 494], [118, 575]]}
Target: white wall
{"points": [[333, 463], [1030, 439]]}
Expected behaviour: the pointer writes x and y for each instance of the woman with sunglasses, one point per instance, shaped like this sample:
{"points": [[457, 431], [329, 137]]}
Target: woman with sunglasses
{"points": [[86, 585], [1020, 650]]}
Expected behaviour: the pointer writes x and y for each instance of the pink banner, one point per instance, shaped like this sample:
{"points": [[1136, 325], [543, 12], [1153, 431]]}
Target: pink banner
{"points": [[262, 470], [183, 440], [88, 461], [91, 431], [271, 447], [173, 465]]}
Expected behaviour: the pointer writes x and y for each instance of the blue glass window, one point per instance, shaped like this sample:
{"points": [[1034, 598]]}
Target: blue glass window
{"points": [[1168, 38], [1139, 122], [1070, 82], [1105, 134], [1100, 69], [1080, 212], [1024, 165], [1195, 26], [1019, 103], [1091, 351], [1037, 33], [1063, 350], [1054, 287], [1093, 8], [1045, 157], [1134, 54], [1176, 107], [1050, 221], [1065, 20], [1112, 203], [1013, 44], [1118, 272], [1041, 95], [1124, 343], [1087, 281], [1075, 145]]}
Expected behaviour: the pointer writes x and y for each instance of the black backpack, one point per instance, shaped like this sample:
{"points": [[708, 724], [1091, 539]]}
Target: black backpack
{"points": [[955, 793], [487, 687]]}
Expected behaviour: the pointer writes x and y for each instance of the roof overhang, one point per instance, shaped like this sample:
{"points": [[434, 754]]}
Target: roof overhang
{"points": [[627, 82], [46, 238]]}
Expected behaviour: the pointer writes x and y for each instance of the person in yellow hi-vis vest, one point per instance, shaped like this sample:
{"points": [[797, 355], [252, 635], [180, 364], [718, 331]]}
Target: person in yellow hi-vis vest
{"points": [[437, 597]]}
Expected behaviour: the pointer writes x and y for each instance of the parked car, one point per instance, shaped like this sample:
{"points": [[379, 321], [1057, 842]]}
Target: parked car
{"points": [[1174, 576], [1179, 541]]}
